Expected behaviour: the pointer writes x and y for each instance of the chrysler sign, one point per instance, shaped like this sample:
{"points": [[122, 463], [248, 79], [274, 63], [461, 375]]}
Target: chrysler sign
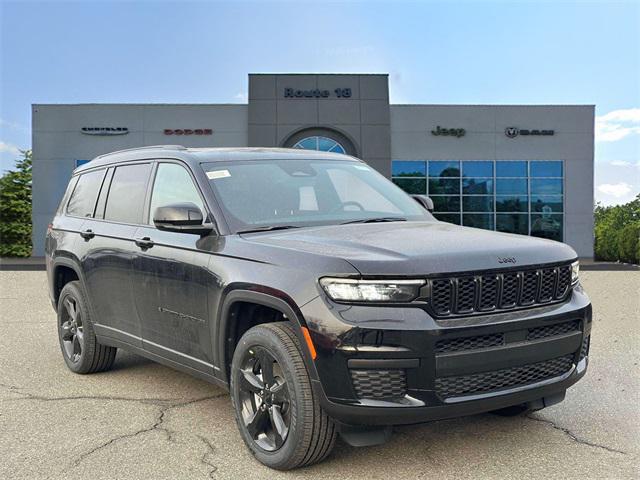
{"points": [[103, 131]]}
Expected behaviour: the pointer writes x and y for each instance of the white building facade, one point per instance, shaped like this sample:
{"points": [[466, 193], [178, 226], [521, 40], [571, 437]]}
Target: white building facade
{"points": [[525, 169]]}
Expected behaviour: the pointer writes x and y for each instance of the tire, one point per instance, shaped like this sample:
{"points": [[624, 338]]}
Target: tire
{"points": [[81, 351], [310, 433]]}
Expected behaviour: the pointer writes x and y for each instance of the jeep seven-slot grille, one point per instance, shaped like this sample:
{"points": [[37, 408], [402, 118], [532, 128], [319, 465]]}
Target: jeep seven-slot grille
{"points": [[379, 384], [468, 294], [506, 378]]}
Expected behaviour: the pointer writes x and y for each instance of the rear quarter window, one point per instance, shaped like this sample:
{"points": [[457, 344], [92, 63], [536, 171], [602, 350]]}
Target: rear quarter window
{"points": [[83, 199]]}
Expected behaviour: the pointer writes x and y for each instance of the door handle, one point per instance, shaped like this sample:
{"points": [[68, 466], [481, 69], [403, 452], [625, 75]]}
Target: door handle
{"points": [[144, 242], [87, 234]]}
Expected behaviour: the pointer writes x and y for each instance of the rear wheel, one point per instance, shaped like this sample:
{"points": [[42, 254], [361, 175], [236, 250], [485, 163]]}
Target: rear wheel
{"points": [[81, 351], [278, 416]]}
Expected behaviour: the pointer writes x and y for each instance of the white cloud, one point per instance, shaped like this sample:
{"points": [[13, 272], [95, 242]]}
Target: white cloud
{"points": [[618, 124], [617, 190], [9, 149], [242, 96]]}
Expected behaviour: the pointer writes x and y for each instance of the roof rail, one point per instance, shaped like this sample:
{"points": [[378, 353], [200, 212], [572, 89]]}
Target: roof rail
{"points": [[150, 147]]}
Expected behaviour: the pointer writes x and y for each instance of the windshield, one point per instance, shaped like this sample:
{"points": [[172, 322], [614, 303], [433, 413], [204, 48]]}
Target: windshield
{"points": [[294, 193]]}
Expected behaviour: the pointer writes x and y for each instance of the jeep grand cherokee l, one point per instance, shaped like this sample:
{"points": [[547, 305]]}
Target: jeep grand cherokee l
{"points": [[326, 299]]}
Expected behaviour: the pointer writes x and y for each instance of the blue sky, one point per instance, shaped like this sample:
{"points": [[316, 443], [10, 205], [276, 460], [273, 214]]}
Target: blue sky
{"points": [[453, 52]]}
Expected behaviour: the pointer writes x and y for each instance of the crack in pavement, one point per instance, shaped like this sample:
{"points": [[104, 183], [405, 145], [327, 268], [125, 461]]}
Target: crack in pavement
{"points": [[210, 451], [157, 425], [574, 437], [164, 405]]}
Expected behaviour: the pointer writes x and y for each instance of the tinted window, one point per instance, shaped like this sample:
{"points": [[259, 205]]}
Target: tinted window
{"points": [[546, 186], [546, 169], [102, 199], [127, 192], [511, 169], [402, 168], [414, 186], [477, 186], [173, 184], [508, 186], [301, 193], [83, 199], [444, 169], [477, 169]]}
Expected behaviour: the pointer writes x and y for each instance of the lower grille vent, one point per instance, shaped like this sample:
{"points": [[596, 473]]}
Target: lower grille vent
{"points": [[584, 350], [506, 378], [469, 343], [553, 330], [379, 384]]}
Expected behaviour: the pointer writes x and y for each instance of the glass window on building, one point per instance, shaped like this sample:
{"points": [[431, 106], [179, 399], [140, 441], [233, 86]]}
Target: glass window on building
{"points": [[324, 144], [515, 196]]}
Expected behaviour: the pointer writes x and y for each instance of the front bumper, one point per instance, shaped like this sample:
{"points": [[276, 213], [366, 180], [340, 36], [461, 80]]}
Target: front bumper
{"points": [[398, 365]]}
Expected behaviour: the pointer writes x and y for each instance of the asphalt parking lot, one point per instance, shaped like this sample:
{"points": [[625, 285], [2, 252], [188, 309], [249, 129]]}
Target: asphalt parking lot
{"points": [[145, 421]]}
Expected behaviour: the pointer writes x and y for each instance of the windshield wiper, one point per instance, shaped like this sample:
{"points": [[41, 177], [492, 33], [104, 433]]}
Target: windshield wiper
{"points": [[376, 220], [269, 228]]}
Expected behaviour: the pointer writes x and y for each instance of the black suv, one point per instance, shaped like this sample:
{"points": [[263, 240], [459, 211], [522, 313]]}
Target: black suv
{"points": [[323, 296]]}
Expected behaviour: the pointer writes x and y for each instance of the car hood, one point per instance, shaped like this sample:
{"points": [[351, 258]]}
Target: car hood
{"points": [[416, 248]]}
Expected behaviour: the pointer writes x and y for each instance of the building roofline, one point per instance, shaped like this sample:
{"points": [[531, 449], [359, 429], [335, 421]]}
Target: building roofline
{"points": [[312, 73], [139, 104], [492, 105]]}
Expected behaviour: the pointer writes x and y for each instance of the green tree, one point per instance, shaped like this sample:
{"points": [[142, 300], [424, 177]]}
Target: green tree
{"points": [[15, 209], [617, 232]]}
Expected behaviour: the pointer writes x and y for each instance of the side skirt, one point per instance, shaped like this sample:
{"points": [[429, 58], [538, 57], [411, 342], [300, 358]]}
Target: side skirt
{"points": [[113, 342]]}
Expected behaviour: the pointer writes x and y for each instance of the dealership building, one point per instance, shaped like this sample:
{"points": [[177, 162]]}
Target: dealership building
{"points": [[526, 169]]}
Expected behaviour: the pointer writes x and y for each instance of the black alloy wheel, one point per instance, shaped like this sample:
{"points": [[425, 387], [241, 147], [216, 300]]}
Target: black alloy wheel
{"points": [[277, 412], [80, 348], [264, 397], [72, 330]]}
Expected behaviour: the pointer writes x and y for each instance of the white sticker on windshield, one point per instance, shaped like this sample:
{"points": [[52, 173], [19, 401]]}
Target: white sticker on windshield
{"points": [[218, 174], [362, 167]]}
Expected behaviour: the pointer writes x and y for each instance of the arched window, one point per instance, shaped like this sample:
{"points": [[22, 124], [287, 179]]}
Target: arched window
{"points": [[324, 144]]}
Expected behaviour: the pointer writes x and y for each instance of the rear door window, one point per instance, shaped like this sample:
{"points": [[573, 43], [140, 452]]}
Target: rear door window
{"points": [[83, 199], [125, 203]]}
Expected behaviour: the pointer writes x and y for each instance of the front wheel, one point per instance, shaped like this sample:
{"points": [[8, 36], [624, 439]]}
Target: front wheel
{"points": [[278, 416]]}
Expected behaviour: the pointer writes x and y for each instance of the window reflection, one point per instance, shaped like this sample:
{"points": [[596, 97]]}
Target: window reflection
{"points": [[517, 196]]}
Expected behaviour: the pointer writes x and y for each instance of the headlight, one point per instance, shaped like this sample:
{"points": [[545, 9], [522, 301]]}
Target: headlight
{"points": [[349, 290], [575, 271]]}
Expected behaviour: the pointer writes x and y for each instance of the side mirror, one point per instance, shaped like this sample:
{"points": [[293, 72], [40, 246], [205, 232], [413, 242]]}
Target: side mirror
{"points": [[425, 201], [181, 217]]}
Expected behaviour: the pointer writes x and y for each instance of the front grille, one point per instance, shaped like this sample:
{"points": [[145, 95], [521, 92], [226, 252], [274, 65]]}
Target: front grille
{"points": [[379, 384], [469, 343], [469, 294], [584, 350], [506, 378], [553, 330]]}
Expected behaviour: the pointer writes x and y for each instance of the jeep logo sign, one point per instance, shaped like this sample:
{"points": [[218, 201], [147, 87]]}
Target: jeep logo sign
{"points": [[506, 260], [513, 132], [451, 132]]}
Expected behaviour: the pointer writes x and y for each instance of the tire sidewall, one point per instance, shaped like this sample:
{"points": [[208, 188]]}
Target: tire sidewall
{"points": [[265, 338], [73, 290]]}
